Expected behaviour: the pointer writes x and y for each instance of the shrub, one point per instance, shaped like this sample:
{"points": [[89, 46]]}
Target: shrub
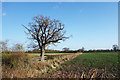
{"points": [[16, 60]]}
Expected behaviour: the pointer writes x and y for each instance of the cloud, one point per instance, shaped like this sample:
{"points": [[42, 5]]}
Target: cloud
{"points": [[3, 14]]}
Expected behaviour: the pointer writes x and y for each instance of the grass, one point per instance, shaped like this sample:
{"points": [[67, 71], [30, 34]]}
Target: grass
{"points": [[96, 59], [105, 60], [16, 60], [38, 54], [87, 62], [82, 63], [24, 65], [48, 53]]}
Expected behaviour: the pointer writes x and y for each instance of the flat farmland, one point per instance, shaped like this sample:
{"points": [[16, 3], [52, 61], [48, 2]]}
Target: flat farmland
{"points": [[50, 53], [97, 65], [62, 65]]}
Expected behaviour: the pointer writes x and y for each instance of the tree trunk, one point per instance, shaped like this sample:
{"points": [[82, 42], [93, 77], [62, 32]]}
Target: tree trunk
{"points": [[42, 53]]}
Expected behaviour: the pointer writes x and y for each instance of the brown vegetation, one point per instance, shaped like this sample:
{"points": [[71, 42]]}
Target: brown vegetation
{"points": [[25, 66]]}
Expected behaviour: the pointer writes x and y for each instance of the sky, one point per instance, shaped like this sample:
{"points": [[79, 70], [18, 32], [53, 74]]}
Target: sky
{"points": [[93, 25], [59, 0]]}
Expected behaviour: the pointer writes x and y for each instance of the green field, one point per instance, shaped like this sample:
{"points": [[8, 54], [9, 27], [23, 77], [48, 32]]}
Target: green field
{"points": [[49, 53], [99, 60], [87, 61]]}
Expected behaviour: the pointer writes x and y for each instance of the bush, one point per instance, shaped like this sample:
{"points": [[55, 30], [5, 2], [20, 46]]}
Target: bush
{"points": [[16, 60]]}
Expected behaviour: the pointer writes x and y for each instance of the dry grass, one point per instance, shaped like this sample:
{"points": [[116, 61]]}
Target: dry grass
{"points": [[25, 66], [16, 60]]}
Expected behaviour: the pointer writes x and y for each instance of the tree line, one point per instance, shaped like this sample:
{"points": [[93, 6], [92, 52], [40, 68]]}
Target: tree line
{"points": [[19, 48]]}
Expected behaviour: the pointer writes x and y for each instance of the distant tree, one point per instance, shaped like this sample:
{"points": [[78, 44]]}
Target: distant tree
{"points": [[18, 47], [65, 49], [83, 48], [4, 46], [45, 31], [115, 47], [0, 46]]}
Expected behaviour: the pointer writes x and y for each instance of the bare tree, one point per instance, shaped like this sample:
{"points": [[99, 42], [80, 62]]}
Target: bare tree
{"points": [[18, 47], [4, 46], [0, 46], [45, 32]]}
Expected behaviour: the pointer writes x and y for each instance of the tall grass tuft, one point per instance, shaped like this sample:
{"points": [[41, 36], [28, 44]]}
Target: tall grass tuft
{"points": [[16, 60]]}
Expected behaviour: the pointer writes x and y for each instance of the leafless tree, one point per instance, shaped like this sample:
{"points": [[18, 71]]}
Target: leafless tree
{"points": [[45, 31], [18, 47], [0, 46], [4, 46]]}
